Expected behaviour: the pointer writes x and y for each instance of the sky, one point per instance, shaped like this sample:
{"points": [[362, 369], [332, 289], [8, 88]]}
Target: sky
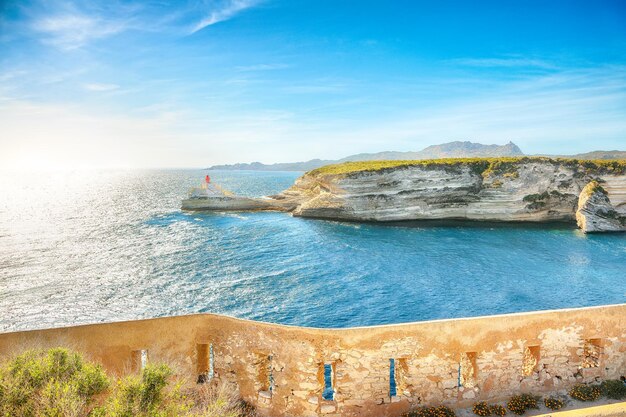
{"points": [[130, 84]]}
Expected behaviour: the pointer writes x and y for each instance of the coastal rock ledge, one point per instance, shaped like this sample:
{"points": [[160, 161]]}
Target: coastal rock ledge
{"points": [[596, 213], [527, 189]]}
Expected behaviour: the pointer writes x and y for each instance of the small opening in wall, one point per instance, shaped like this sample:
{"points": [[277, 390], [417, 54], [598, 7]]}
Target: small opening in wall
{"points": [[592, 351], [205, 358], [401, 372], [530, 362], [211, 362], [265, 377], [139, 359], [329, 391], [392, 378], [270, 373], [468, 370], [202, 355]]}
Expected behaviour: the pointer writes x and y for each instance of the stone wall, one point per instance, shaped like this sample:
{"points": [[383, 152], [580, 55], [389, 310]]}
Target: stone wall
{"points": [[284, 370]]}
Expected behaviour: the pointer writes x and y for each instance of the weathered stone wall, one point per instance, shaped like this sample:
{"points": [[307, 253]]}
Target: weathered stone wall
{"points": [[281, 368]]}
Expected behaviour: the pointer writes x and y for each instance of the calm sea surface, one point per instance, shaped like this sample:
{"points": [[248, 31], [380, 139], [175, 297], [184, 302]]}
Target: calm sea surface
{"points": [[101, 246]]}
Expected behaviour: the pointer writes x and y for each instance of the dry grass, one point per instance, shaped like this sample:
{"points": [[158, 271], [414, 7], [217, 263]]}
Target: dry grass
{"points": [[59, 382], [479, 165]]}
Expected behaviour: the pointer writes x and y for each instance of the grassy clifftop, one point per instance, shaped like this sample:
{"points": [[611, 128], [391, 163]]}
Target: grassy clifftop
{"points": [[483, 166]]}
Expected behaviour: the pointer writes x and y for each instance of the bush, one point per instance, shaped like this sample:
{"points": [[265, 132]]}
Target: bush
{"points": [[56, 382], [481, 409], [441, 411], [145, 395], [60, 383], [553, 403], [613, 389], [497, 410], [518, 404], [582, 392]]}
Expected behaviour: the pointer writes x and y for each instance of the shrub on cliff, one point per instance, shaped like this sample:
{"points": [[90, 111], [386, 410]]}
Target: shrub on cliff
{"points": [[144, 395], [481, 408], [497, 410], [519, 404], [61, 383], [440, 411], [613, 389], [56, 382], [582, 392], [553, 403]]}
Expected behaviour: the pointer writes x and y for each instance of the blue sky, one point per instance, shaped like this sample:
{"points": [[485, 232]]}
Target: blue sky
{"points": [[194, 83]]}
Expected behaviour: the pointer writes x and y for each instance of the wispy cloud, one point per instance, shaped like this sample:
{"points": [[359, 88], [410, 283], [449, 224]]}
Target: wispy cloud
{"points": [[223, 12], [100, 87], [73, 30], [261, 67], [506, 62]]}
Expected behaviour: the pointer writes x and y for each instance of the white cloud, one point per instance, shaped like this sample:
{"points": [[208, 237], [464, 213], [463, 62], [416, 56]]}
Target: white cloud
{"points": [[506, 62], [224, 12], [73, 30], [100, 87], [261, 67]]}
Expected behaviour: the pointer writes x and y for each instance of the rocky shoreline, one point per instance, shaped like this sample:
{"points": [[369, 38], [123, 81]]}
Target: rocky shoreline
{"points": [[525, 189]]}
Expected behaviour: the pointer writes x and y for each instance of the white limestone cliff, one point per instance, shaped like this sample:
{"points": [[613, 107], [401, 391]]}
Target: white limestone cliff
{"points": [[595, 212], [517, 189]]}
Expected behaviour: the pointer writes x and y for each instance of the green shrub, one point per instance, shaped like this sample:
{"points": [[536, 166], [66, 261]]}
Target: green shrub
{"points": [[613, 389], [582, 392], [519, 404], [440, 411], [60, 383], [481, 409], [553, 403], [145, 395], [56, 382]]}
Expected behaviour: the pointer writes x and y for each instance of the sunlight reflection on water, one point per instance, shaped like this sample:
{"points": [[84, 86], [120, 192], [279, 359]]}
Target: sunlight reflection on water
{"points": [[113, 245]]}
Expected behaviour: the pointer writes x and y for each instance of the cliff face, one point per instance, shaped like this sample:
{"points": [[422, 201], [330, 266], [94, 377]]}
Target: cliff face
{"points": [[509, 189], [596, 213]]}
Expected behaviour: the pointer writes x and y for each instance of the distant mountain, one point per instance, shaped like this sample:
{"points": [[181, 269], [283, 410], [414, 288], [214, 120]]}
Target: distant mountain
{"points": [[285, 166], [455, 149], [601, 155]]}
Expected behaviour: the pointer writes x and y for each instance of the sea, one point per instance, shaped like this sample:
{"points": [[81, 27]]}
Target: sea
{"points": [[98, 246]]}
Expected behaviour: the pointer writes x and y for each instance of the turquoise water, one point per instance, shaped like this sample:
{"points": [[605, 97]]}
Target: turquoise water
{"points": [[102, 246]]}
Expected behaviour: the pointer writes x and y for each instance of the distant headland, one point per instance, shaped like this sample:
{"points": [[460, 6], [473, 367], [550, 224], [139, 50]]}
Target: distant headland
{"points": [[456, 149]]}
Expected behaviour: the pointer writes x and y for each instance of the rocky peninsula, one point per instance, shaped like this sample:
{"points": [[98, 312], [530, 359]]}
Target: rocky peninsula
{"points": [[526, 189], [513, 189]]}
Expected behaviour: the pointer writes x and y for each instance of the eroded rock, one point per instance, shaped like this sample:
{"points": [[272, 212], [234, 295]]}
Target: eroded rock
{"points": [[595, 212]]}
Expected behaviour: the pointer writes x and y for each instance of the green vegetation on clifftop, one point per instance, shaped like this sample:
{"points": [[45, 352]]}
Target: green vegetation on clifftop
{"points": [[483, 166]]}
